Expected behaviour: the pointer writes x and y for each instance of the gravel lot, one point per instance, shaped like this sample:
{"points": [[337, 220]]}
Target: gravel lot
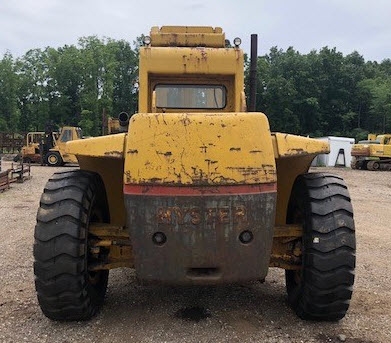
{"points": [[244, 313]]}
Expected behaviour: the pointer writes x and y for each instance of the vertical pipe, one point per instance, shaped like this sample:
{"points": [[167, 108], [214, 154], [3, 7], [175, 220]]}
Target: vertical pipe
{"points": [[104, 122], [253, 73]]}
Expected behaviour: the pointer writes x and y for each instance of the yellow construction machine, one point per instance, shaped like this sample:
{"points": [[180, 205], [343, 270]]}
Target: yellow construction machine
{"points": [[48, 147], [372, 154], [197, 191], [57, 154], [31, 151]]}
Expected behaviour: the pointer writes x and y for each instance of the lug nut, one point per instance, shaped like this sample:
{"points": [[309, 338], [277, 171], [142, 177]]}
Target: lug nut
{"points": [[159, 238], [246, 237]]}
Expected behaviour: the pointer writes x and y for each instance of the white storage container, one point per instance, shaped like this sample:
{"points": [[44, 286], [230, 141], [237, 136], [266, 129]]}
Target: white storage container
{"points": [[340, 152]]}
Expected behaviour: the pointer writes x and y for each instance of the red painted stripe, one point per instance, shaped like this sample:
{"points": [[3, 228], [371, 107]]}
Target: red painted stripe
{"points": [[199, 190]]}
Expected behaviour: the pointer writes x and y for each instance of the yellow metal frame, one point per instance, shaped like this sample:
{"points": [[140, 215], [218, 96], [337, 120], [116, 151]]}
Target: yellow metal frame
{"points": [[150, 150], [293, 155], [158, 64], [221, 148], [190, 36], [286, 250]]}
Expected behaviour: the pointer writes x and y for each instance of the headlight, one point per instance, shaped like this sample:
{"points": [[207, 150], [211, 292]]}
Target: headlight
{"points": [[147, 40], [237, 41]]}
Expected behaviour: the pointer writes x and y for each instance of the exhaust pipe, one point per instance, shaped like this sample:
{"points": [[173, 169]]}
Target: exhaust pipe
{"points": [[253, 73], [123, 119]]}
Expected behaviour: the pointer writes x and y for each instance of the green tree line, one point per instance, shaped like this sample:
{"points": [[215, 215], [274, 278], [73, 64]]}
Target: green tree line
{"points": [[318, 94], [71, 85], [324, 93]]}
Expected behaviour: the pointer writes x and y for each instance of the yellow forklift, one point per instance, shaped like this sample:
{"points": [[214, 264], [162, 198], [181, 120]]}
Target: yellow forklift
{"points": [[197, 191]]}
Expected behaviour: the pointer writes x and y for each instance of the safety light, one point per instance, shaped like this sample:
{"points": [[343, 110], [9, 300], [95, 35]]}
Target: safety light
{"points": [[237, 41], [147, 40]]}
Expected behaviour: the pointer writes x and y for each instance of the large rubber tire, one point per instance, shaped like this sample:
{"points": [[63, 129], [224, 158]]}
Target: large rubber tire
{"points": [[65, 288], [53, 159], [322, 289]]}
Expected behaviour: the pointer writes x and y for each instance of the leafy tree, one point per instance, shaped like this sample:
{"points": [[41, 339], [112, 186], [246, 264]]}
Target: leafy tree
{"points": [[125, 92], [32, 70], [317, 94], [87, 123], [9, 112], [378, 90]]}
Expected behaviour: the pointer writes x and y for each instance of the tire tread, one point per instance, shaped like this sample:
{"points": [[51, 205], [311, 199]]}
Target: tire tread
{"points": [[329, 249], [60, 268]]}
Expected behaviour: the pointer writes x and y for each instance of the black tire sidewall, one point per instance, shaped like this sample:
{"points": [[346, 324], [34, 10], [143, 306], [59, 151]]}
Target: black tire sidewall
{"points": [[321, 204], [58, 159], [88, 289], [299, 202]]}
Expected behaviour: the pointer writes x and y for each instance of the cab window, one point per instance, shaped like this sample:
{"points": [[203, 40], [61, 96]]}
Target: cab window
{"points": [[79, 133], [66, 136], [190, 96]]}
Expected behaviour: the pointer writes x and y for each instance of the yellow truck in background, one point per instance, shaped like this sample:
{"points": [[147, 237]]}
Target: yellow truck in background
{"points": [[49, 147], [372, 154]]}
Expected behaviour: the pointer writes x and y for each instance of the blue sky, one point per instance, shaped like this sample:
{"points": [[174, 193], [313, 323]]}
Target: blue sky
{"points": [[306, 25]]}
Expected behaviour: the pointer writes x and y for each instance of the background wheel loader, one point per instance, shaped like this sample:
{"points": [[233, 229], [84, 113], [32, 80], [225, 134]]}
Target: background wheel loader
{"points": [[198, 191]]}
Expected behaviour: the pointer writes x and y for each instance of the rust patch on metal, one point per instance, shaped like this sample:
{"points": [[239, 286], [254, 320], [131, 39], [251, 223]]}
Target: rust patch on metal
{"points": [[210, 161], [297, 152], [185, 121], [203, 148], [247, 171], [199, 237], [155, 180], [166, 153], [113, 153], [128, 176]]}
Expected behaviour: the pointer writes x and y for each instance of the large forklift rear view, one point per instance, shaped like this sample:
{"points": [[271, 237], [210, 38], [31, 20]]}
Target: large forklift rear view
{"points": [[198, 191]]}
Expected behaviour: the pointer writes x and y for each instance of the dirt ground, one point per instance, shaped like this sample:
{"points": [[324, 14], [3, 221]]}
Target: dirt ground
{"points": [[251, 312]]}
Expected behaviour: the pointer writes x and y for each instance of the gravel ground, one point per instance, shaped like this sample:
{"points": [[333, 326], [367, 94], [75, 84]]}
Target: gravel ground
{"points": [[251, 312]]}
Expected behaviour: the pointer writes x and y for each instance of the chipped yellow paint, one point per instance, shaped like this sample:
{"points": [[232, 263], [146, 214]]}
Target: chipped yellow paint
{"points": [[194, 148], [286, 145], [294, 155], [361, 150], [111, 146], [191, 65], [188, 36], [105, 156]]}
